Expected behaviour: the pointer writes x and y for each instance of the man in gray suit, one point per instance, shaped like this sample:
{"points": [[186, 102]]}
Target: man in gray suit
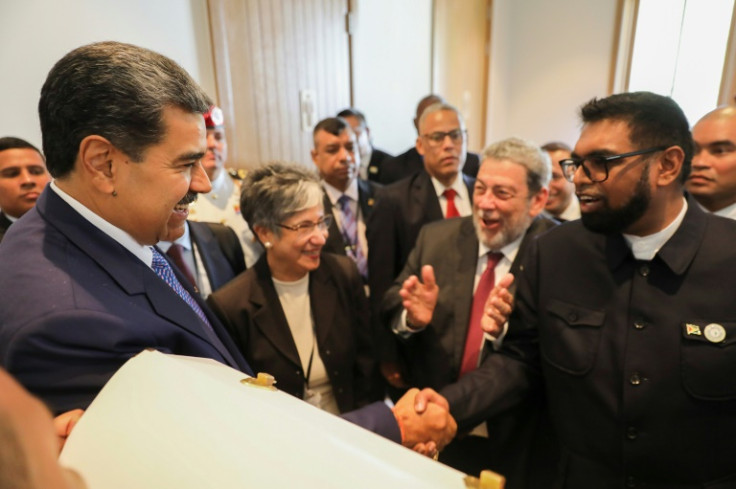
{"points": [[437, 320]]}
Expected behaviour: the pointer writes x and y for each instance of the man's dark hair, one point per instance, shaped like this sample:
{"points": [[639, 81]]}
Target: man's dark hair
{"points": [[10, 142], [353, 112], [553, 146], [115, 90], [332, 125], [653, 120]]}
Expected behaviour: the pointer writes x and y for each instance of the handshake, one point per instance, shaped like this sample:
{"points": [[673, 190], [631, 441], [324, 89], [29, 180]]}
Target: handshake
{"points": [[425, 421]]}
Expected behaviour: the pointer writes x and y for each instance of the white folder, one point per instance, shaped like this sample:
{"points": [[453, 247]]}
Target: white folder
{"points": [[167, 421]]}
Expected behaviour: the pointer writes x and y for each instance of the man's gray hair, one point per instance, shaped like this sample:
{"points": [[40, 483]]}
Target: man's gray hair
{"points": [[276, 191], [438, 107], [537, 162]]}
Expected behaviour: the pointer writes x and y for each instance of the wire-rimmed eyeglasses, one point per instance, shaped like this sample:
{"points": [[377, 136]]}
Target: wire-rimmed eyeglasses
{"points": [[306, 228]]}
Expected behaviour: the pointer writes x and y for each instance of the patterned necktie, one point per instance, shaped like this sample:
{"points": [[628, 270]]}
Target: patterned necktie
{"points": [[164, 270], [474, 340], [176, 253], [450, 198], [350, 234]]}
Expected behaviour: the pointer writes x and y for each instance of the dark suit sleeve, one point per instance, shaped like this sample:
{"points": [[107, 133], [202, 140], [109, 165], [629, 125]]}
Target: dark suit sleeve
{"points": [[230, 245], [383, 259], [508, 377], [378, 418]]}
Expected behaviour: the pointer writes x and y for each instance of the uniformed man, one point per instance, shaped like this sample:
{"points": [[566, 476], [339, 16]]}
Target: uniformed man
{"points": [[222, 204]]}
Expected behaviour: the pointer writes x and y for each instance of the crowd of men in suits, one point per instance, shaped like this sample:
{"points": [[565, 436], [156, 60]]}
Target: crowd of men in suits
{"points": [[622, 320]]}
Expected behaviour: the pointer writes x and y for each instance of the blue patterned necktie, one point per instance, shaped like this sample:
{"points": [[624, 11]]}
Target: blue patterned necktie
{"points": [[350, 233], [163, 269]]}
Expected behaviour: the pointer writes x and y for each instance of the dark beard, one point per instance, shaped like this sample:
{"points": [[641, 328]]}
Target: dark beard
{"points": [[610, 221]]}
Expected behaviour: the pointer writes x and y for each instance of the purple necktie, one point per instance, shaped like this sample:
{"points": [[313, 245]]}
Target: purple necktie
{"points": [[350, 234]]}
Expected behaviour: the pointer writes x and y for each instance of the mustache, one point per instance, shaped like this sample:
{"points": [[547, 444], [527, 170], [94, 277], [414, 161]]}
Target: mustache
{"points": [[188, 198]]}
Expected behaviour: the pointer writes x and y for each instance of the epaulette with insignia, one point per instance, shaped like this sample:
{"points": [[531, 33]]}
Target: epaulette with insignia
{"points": [[237, 173]]}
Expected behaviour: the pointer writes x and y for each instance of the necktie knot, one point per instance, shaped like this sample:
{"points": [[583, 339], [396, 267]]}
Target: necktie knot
{"points": [[493, 258], [344, 201]]}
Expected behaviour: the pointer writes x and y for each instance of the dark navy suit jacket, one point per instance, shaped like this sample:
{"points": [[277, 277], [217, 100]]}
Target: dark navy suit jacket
{"points": [[75, 305]]}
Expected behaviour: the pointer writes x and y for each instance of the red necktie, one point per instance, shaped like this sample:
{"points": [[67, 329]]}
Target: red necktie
{"points": [[474, 340], [451, 209], [176, 255]]}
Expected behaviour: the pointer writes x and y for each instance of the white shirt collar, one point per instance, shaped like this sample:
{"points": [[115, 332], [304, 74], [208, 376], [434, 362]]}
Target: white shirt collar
{"points": [[144, 253], [333, 194], [457, 186], [509, 251], [728, 211], [184, 241], [646, 247]]}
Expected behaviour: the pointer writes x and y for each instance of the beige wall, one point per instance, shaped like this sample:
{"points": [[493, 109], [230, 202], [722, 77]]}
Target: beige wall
{"points": [[37, 33], [547, 59]]}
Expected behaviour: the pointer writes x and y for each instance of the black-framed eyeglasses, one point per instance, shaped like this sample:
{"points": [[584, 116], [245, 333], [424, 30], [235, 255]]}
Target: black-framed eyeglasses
{"points": [[456, 135], [307, 227], [596, 166]]}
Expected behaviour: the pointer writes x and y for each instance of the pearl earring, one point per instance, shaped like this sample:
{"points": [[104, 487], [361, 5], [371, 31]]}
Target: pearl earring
{"points": [[268, 245]]}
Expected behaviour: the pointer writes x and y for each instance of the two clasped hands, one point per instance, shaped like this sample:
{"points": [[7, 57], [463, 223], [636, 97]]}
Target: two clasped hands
{"points": [[419, 298]]}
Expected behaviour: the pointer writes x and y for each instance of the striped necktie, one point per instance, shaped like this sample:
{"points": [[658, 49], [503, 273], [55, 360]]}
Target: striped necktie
{"points": [[163, 269]]}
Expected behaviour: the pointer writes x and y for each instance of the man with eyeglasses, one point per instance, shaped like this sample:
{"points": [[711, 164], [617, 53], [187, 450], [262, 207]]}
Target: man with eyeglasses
{"points": [[624, 319], [348, 198], [562, 203], [436, 320], [712, 181], [411, 161], [439, 191]]}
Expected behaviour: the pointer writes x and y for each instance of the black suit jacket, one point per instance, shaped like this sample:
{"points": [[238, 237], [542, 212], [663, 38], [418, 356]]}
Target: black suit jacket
{"points": [[4, 225], [220, 250], [250, 308], [366, 200], [378, 158], [638, 394], [410, 162], [75, 305]]}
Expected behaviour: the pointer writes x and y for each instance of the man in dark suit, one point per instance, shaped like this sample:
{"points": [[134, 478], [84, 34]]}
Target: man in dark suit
{"points": [[437, 320], [371, 158], [712, 182], [208, 253], [83, 289], [438, 191], [348, 198], [23, 176], [622, 317], [411, 161]]}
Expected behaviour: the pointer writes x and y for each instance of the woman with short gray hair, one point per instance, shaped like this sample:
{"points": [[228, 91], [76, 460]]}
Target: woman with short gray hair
{"points": [[299, 314]]}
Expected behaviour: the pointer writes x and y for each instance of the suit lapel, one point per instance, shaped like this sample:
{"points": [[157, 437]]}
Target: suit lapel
{"points": [[323, 303], [335, 242], [466, 257], [365, 198], [269, 316], [424, 198], [126, 270], [218, 271]]}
